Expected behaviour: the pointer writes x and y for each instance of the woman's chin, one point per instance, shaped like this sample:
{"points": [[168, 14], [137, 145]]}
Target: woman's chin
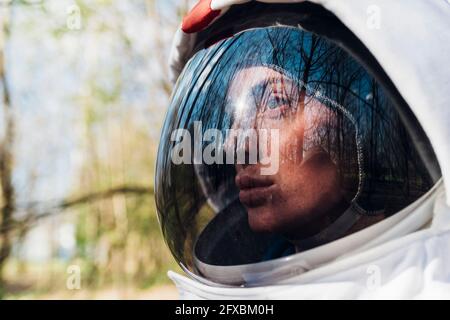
{"points": [[261, 219], [268, 219]]}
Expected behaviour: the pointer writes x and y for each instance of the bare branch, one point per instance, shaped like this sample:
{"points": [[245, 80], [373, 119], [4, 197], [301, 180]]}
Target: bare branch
{"points": [[33, 216]]}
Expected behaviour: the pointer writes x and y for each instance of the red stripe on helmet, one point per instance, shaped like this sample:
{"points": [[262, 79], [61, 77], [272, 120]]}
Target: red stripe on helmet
{"points": [[199, 17]]}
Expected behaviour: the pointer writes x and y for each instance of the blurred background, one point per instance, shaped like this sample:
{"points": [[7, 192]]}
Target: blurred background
{"points": [[83, 92]]}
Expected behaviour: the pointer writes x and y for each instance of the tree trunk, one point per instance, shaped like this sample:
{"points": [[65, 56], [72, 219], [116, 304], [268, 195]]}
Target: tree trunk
{"points": [[6, 156]]}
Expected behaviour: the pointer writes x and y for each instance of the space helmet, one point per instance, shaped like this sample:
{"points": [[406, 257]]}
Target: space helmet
{"points": [[284, 134]]}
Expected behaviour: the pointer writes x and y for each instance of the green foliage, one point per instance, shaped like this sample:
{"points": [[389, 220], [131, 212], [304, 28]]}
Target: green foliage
{"points": [[118, 240]]}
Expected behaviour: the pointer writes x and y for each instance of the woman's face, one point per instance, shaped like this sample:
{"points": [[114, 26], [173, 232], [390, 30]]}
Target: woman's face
{"points": [[306, 186]]}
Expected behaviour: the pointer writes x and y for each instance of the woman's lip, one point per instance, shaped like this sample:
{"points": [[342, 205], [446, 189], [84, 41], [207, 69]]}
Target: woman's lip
{"points": [[256, 196], [244, 181]]}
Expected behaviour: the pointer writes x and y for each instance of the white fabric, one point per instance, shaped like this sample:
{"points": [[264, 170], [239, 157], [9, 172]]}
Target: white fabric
{"points": [[413, 46]]}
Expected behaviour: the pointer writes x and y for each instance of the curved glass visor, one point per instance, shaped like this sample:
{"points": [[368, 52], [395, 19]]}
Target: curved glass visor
{"points": [[277, 141]]}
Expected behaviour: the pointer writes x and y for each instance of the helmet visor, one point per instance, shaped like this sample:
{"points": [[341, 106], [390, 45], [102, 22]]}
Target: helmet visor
{"points": [[278, 141]]}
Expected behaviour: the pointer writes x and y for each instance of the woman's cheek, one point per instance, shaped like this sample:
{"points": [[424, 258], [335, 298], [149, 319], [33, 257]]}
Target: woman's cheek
{"points": [[291, 143]]}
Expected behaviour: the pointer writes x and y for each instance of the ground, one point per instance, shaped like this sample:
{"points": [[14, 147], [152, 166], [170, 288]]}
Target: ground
{"points": [[160, 292]]}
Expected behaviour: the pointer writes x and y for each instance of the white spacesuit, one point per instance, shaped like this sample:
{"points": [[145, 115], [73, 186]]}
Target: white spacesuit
{"points": [[402, 250]]}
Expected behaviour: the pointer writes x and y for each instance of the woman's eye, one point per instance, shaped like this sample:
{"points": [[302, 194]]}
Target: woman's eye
{"points": [[276, 102]]}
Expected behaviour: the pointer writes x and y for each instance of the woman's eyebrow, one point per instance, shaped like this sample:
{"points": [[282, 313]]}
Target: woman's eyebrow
{"points": [[271, 81]]}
